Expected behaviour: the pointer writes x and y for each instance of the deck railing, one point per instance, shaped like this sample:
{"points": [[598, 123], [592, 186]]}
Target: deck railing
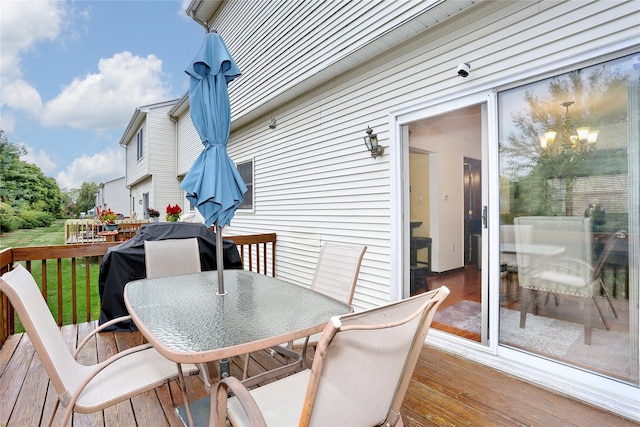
{"points": [[257, 251]]}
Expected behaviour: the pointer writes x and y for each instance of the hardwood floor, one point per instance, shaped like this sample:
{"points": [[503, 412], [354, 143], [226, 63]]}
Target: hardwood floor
{"points": [[445, 390], [464, 284]]}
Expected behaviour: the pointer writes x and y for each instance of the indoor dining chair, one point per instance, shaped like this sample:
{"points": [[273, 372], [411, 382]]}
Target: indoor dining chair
{"points": [[359, 377], [335, 275], [82, 388], [569, 273], [171, 257]]}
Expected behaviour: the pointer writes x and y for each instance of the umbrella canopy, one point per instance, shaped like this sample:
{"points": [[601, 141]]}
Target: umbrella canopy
{"points": [[213, 184]]}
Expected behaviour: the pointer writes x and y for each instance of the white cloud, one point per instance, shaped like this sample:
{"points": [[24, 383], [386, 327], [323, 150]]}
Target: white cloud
{"points": [[182, 11], [19, 94], [107, 100], [100, 167], [41, 159], [24, 24], [7, 122]]}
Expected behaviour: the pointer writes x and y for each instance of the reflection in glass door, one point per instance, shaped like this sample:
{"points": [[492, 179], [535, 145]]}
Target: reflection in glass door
{"points": [[445, 174], [569, 218]]}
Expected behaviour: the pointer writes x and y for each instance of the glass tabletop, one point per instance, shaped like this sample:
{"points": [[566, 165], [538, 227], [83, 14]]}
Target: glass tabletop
{"points": [[184, 318]]}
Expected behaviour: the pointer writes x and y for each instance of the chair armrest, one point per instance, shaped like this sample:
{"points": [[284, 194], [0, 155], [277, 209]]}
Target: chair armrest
{"points": [[68, 400], [98, 329], [219, 403]]}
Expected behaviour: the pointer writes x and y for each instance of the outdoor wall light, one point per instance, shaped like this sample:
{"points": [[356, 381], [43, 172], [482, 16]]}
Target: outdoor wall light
{"points": [[272, 123], [371, 141]]}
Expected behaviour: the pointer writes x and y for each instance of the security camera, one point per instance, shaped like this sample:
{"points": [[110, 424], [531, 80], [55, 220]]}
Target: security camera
{"points": [[463, 69]]}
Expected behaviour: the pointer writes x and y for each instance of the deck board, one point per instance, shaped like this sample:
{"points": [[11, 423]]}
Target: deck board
{"points": [[446, 390]]}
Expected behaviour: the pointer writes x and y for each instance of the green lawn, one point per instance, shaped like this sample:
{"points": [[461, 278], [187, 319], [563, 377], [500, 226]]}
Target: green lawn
{"points": [[54, 235]]}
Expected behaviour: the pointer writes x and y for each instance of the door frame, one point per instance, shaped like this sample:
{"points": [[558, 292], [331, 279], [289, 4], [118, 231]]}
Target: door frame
{"points": [[399, 163]]}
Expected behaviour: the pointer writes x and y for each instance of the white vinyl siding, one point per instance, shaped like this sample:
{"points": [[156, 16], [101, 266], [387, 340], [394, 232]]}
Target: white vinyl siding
{"points": [[136, 168], [162, 159], [314, 180], [156, 172], [282, 44]]}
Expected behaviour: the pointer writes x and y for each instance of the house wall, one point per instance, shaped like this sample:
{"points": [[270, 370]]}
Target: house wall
{"points": [[137, 169], [165, 186], [114, 195], [285, 48], [314, 181], [156, 173], [137, 192]]}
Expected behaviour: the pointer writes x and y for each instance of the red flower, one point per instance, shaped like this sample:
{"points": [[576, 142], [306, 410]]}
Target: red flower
{"points": [[173, 212]]}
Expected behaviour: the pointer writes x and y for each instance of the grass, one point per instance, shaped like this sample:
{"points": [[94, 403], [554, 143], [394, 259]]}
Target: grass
{"points": [[42, 236], [54, 235]]}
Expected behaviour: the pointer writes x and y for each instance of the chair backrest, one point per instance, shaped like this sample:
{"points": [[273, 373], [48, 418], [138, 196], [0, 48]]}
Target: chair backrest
{"points": [[41, 328], [337, 270], [572, 234], [171, 257], [364, 362]]}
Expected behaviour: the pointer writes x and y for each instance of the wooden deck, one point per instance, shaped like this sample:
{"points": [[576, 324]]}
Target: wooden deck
{"points": [[446, 391]]}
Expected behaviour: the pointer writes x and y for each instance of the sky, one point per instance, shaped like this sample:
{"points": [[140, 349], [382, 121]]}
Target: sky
{"points": [[72, 74]]}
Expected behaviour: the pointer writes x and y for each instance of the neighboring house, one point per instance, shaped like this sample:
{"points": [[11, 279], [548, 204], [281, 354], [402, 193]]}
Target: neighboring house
{"points": [[150, 141], [316, 74], [114, 195]]}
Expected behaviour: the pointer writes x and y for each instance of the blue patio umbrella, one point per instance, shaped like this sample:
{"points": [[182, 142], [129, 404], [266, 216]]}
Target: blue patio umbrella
{"points": [[213, 184]]}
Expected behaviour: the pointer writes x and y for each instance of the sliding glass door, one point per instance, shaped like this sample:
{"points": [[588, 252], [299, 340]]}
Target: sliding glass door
{"points": [[569, 218]]}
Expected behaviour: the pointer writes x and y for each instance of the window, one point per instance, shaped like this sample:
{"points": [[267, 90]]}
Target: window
{"points": [[246, 172], [568, 184], [139, 145]]}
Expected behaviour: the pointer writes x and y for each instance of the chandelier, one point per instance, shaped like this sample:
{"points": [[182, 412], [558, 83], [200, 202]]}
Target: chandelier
{"points": [[580, 140]]}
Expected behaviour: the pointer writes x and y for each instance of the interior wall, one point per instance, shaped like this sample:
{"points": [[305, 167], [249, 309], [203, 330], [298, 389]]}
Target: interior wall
{"points": [[453, 136], [419, 193]]}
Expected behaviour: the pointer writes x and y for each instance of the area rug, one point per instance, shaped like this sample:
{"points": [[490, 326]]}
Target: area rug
{"points": [[609, 352]]}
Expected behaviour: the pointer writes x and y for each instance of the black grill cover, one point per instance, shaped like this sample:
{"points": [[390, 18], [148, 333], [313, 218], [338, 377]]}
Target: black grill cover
{"points": [[125, 262]]}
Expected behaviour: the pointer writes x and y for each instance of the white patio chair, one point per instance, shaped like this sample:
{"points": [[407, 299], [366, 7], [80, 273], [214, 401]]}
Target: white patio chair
{"points": [[82, 388], [360, 374], [336, 275], [171, 257]]}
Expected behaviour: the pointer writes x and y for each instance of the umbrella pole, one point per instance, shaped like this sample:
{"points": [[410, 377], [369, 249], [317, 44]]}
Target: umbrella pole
{"points": [[220, 260]]}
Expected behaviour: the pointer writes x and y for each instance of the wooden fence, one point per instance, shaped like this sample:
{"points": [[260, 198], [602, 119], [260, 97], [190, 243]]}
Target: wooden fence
{"points": [[257, 251]]}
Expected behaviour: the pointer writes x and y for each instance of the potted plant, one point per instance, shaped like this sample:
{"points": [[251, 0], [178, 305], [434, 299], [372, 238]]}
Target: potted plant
{"points": [[153, 214], [173, 213], [108, 218]]}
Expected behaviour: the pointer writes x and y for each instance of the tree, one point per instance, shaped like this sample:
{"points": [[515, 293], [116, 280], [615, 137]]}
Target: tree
{"points": [[86, 197], [23, 185], [546, 173]]}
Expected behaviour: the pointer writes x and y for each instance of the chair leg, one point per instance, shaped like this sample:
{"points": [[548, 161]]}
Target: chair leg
{"points": [[53, 413], [523, 309], [587, 323], [606, 294], [245, 371], [183, 387]]}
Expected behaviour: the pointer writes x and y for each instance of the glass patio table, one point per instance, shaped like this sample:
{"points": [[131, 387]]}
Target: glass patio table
{"points": [[187, 322]]}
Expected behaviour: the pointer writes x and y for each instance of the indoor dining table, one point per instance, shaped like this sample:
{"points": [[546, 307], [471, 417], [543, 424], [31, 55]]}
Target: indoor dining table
{"points": [[185, 319]]}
